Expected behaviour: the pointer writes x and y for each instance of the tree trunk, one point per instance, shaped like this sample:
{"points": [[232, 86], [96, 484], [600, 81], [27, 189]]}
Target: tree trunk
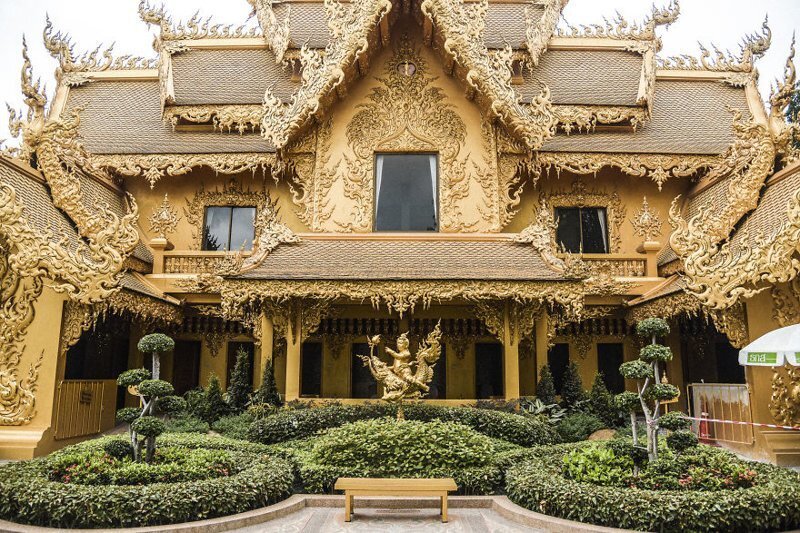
{"points": [[151, 449], [633, 429], [156, 365]]}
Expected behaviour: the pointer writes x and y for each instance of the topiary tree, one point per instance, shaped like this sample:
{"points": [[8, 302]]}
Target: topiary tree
{"points": [[572, 387], [157, 397], [155, 344], [646, 372], [628, 402], [267, 393], [240, 387], [601, 402], [546, 388], [214, 403]]}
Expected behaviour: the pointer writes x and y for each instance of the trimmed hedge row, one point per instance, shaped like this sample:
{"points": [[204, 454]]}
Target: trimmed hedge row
{"points": [[29, 497], [286, 425], [772, 505]]}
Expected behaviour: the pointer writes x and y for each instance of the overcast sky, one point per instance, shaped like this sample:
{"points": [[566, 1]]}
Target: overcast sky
{"points": [[90, 22]]}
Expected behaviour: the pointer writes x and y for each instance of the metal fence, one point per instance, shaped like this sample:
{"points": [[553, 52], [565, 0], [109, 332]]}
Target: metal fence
{"points": [[79, 408], [721, 401]]}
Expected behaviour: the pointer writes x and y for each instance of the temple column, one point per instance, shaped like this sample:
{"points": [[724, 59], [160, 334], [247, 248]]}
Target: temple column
{"points": [[293, 343], [541, 341], [510, 354]]}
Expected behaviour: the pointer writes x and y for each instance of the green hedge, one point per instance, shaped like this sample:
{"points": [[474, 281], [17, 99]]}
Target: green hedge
{"points": [[523, 430], [29, 497], [772, 505]]}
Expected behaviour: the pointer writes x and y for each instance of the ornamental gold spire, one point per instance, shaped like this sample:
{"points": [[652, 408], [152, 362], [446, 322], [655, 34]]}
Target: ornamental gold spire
{"points": [[646, 222]]}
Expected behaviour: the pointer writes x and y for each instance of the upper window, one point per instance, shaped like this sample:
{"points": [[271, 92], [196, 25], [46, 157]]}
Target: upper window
{"points": [[229, 228], [582, 230], [405, 192]]}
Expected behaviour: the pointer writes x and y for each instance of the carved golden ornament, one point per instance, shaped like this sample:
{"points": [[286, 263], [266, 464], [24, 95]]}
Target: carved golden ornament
{"points": [[646, 222], [270, 232], [275, 32], [786, 303], [195, 28], [232, 194], [72, 67], [583, 344], [76, 319], [491, 314], [164, 219], [214, 340], [657, 167], [579, 195], [461, 28], [322, 71], [539, 29], [153, 167], [784, 405], [667, 307], [785, 132], [753, 46], [732, 322], [242, 118], [408, 376], [619, 28], [585, 118], [143, 309], [541, 235]]}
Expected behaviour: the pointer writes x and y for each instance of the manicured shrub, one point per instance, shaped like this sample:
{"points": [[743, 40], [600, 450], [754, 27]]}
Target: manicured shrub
{"points": [[215, 405], [681, 440], [239, 388], [652, 327], [118, 449], [674, 421], [655, 352], [156, 388], [30, 497], [186, 424], [131, 378], [772, 504], [546, 388], [235, 426], [171, 405], [149, 426], [601, 403], [572, 387], [636, 369], [597, 464], [126, 415], [578, 426], [155, 342], [267, 393]]}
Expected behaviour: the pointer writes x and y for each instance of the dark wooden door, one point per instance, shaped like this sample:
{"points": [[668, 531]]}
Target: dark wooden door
{"points": [[558, 359], [185, 366], [311, 370], [609, 357], [488, 370], [362, 384]]}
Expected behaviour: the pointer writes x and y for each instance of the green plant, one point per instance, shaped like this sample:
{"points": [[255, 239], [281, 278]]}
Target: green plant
{"points": [[537, 407], [578, 426], [186, 424], [681, 440], [629, 402], [213, 404], [652, 392], [601, 403], [538, 483], [155, 344], [172, 405], [133, 377], [546, 388], [239, 388], [235, 426], [29, 496], [597, 464], [267, 393], [572, 387], [119, 449], [674, 421]]}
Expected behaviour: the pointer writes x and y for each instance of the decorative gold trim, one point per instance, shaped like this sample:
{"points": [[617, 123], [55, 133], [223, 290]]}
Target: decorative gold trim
{"points": [[539, 30], [585, 118], [276, 33], [164, 219], [242, 118], [646, 222], [619, 28], [143, 308], [194, 28]]}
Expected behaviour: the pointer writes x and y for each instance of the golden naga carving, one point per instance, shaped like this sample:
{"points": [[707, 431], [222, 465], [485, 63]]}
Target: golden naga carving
{"points": [[646, 222], [408, 376], [323, 71], [619, 28], [72, 67], [153, 167], [786, 134], [538, 30], [461, 28], [164, 220], [753, 47], [657, 167], [143, 309], [270, 232], [582, 118], [242, 118], [275, 32], [195, 28]]}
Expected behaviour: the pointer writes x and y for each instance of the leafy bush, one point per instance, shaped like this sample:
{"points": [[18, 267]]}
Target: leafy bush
{"points": [[239, 388], [578, 426], [127, 415], [599, 465], [235, 426], [118, 449], [30, 497], [133, 377], [773, 504], [546, 388], [652, 327], [171, 405], [601, 403], [681, 440], [155, 342], [156, 387], [655, 352], [302, 423], [267, 393], [149, 426], [536, 407], [636, 369], [674, 421], [215, 404], [572, 387], [186, 424]]}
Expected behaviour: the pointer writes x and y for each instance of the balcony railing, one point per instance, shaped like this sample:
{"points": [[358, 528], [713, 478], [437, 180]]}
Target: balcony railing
{"points": [[194, 262]]}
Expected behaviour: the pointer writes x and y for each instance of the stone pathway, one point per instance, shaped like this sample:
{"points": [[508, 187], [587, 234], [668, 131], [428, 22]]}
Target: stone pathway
{"points": [[331, 520]]}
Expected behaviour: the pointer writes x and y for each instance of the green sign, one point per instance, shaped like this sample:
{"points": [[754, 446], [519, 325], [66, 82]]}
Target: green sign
{"points": [[762, 358]]}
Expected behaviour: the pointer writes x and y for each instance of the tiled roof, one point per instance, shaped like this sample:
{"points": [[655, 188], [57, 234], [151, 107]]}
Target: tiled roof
{"points": [[587, 77], [688, 117], [506, 24], [135, 282], [124, 117], [669, 286], [229, 77], [368, 259]]}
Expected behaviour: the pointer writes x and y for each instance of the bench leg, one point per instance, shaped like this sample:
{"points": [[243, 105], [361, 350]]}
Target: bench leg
{"points": [[348, 511], [444, 507]]}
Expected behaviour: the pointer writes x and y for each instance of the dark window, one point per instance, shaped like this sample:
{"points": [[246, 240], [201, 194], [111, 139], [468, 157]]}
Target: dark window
{"points": [[362, 384], [488, 370], [582, 229], [558, 359], [311, 369], [405, 192], [439, 382], [609, 358], [229, 228], [233, 353], [186, 366], [728, 368]]}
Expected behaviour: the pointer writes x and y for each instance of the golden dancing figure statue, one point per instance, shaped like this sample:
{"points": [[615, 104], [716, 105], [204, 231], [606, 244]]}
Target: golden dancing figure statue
{"points": [[402, 381]]}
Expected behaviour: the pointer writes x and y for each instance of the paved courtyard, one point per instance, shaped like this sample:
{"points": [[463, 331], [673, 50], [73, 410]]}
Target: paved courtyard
{"points": [[331, 520]]}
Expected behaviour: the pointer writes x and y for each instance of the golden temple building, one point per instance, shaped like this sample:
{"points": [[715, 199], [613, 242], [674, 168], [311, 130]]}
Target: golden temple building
{"points": [[346, 169]]}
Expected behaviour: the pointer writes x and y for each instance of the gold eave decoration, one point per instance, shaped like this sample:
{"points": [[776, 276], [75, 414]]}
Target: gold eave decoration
{"points": [[194, 28], [154, 167], [621, 29], [585, 118], [226, 118]]}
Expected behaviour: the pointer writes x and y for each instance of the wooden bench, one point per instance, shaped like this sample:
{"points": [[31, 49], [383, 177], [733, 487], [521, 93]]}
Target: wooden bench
{"points": [[394, 487]]}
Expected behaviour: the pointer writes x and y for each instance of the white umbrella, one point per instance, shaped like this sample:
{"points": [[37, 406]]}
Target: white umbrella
{"points": [[773, 349]]}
